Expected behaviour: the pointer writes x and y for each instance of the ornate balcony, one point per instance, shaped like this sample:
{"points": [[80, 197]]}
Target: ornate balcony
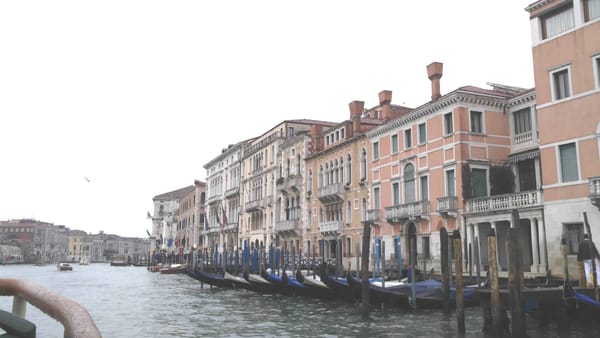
{"points": [[505, 202], [595, 190], [259, 203], [373, 215], [447, 205], [332, 193], [232, 191], [289, 226], [408, 211], [289, 184], [231, 227], [331, 227]]}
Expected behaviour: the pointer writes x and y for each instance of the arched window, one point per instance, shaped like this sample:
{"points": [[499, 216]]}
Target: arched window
{"points": [[298, 164], [349, 212], [363, 209], [321, 183], [349, 170], [331, 173], [309, 182], [409, 183], [341, 170], [287, 168], [363, 165]]}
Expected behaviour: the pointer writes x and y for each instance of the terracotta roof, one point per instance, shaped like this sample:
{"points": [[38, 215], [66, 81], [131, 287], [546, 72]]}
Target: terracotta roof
{"points": [[174, 195]]}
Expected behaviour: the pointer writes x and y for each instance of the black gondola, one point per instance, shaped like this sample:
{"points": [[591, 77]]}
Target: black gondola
{"points": [[210, 278]]}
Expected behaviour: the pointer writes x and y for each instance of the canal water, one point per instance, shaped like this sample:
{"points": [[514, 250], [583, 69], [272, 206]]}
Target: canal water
{"points": [[133, 302]]}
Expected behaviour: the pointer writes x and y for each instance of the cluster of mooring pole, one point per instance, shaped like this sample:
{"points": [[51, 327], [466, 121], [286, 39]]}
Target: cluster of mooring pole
{"points": [[514, 248]]}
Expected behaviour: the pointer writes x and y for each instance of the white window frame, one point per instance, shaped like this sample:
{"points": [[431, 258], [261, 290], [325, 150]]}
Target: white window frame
{"points": [[553, 84], [487, 178], [421, 187], [419, 133], [398, 184], [376, 197], [482, 126], [446, 181], [409, 139], [596, 65], [394, 146], [375, 150], [444, 131], [559, 174]]}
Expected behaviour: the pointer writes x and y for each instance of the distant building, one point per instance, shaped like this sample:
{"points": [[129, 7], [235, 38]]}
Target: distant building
{"points": [[10, 254]]}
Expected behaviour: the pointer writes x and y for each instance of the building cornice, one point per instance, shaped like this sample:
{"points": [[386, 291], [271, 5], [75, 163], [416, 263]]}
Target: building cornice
{"points": [[537, 4], [458, 97]]}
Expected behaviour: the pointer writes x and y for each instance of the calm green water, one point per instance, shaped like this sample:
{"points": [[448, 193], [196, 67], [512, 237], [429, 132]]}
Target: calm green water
{"points": [[132, 302]]}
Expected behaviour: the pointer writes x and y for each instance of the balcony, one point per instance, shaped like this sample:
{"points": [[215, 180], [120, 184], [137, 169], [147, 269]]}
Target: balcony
{"points": [[524, 140], [447, 205], [289, 184], [373, 215], [595, 190], [232, 191], [231, 227], [505, 202], [293, 225], [331, 227], [408, 211], [332, 193], [259, 203]]}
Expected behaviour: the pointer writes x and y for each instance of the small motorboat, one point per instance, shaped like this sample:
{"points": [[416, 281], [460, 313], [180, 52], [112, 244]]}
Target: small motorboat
{"points": [[64, 267], [173, 268]]}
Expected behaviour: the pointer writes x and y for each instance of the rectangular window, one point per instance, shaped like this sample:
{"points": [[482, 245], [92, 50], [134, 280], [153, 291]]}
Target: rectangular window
{"points": [[376, 202], [476, 121], [407, 138], [448, 126], [591, 9], [375, 150], [422, 133], [425, 247], [574, 234], [479, 177], [568, 162], [450, 191], [557, 21], [424, 188], [526, 170], [394, 141], [596, 61], [396, 193], [348, 247], [561, 84], [522, 121], [290, 131]]}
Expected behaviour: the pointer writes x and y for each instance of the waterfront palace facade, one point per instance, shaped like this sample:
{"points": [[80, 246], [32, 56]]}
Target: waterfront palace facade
{"points": [[462, 161]]}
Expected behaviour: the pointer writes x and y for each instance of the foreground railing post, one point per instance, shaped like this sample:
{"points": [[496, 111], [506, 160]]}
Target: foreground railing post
{"points": [[19, 306]]}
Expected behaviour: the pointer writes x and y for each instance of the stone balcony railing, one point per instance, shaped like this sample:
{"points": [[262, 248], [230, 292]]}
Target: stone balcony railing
{"points": [[290, 183], [447, 204], [288, 225], [232, 191], [505, 202], [330, 227], [595, 190], [332, 191], [407, 211], [373, 215], [524, 140], [259, 203]]}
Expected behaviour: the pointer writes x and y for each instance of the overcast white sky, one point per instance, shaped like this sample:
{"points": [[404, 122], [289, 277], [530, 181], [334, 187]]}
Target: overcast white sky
{"points": [[138, 96]]}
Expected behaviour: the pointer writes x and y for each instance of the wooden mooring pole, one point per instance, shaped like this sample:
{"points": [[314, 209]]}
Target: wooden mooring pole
{"points": [[514, 247], [458, 263], [496, 306], [592, 256], [444, 269], [366, 242]]}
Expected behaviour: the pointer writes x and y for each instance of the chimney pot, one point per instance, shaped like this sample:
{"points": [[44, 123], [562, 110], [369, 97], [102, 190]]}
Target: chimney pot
{"points": [[435, 71]]}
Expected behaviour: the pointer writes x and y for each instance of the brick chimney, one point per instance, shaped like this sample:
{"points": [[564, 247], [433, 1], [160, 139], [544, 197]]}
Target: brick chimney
{"points": [[385, 97], [434, 72], [356, 110], [315, 138]]}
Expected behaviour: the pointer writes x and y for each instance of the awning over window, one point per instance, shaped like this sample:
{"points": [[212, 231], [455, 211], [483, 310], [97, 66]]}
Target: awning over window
{"points": [[528, 155]]}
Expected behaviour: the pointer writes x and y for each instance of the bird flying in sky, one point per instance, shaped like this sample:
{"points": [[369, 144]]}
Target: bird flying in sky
{"points": [[87, 179]]}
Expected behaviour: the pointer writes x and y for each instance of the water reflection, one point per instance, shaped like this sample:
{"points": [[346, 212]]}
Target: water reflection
{"points": [[132, 302]]}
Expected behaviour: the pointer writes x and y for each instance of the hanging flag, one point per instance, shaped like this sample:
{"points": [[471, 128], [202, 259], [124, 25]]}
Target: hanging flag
{"points": [[148, 215], [148, 232], [224, 215]]}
